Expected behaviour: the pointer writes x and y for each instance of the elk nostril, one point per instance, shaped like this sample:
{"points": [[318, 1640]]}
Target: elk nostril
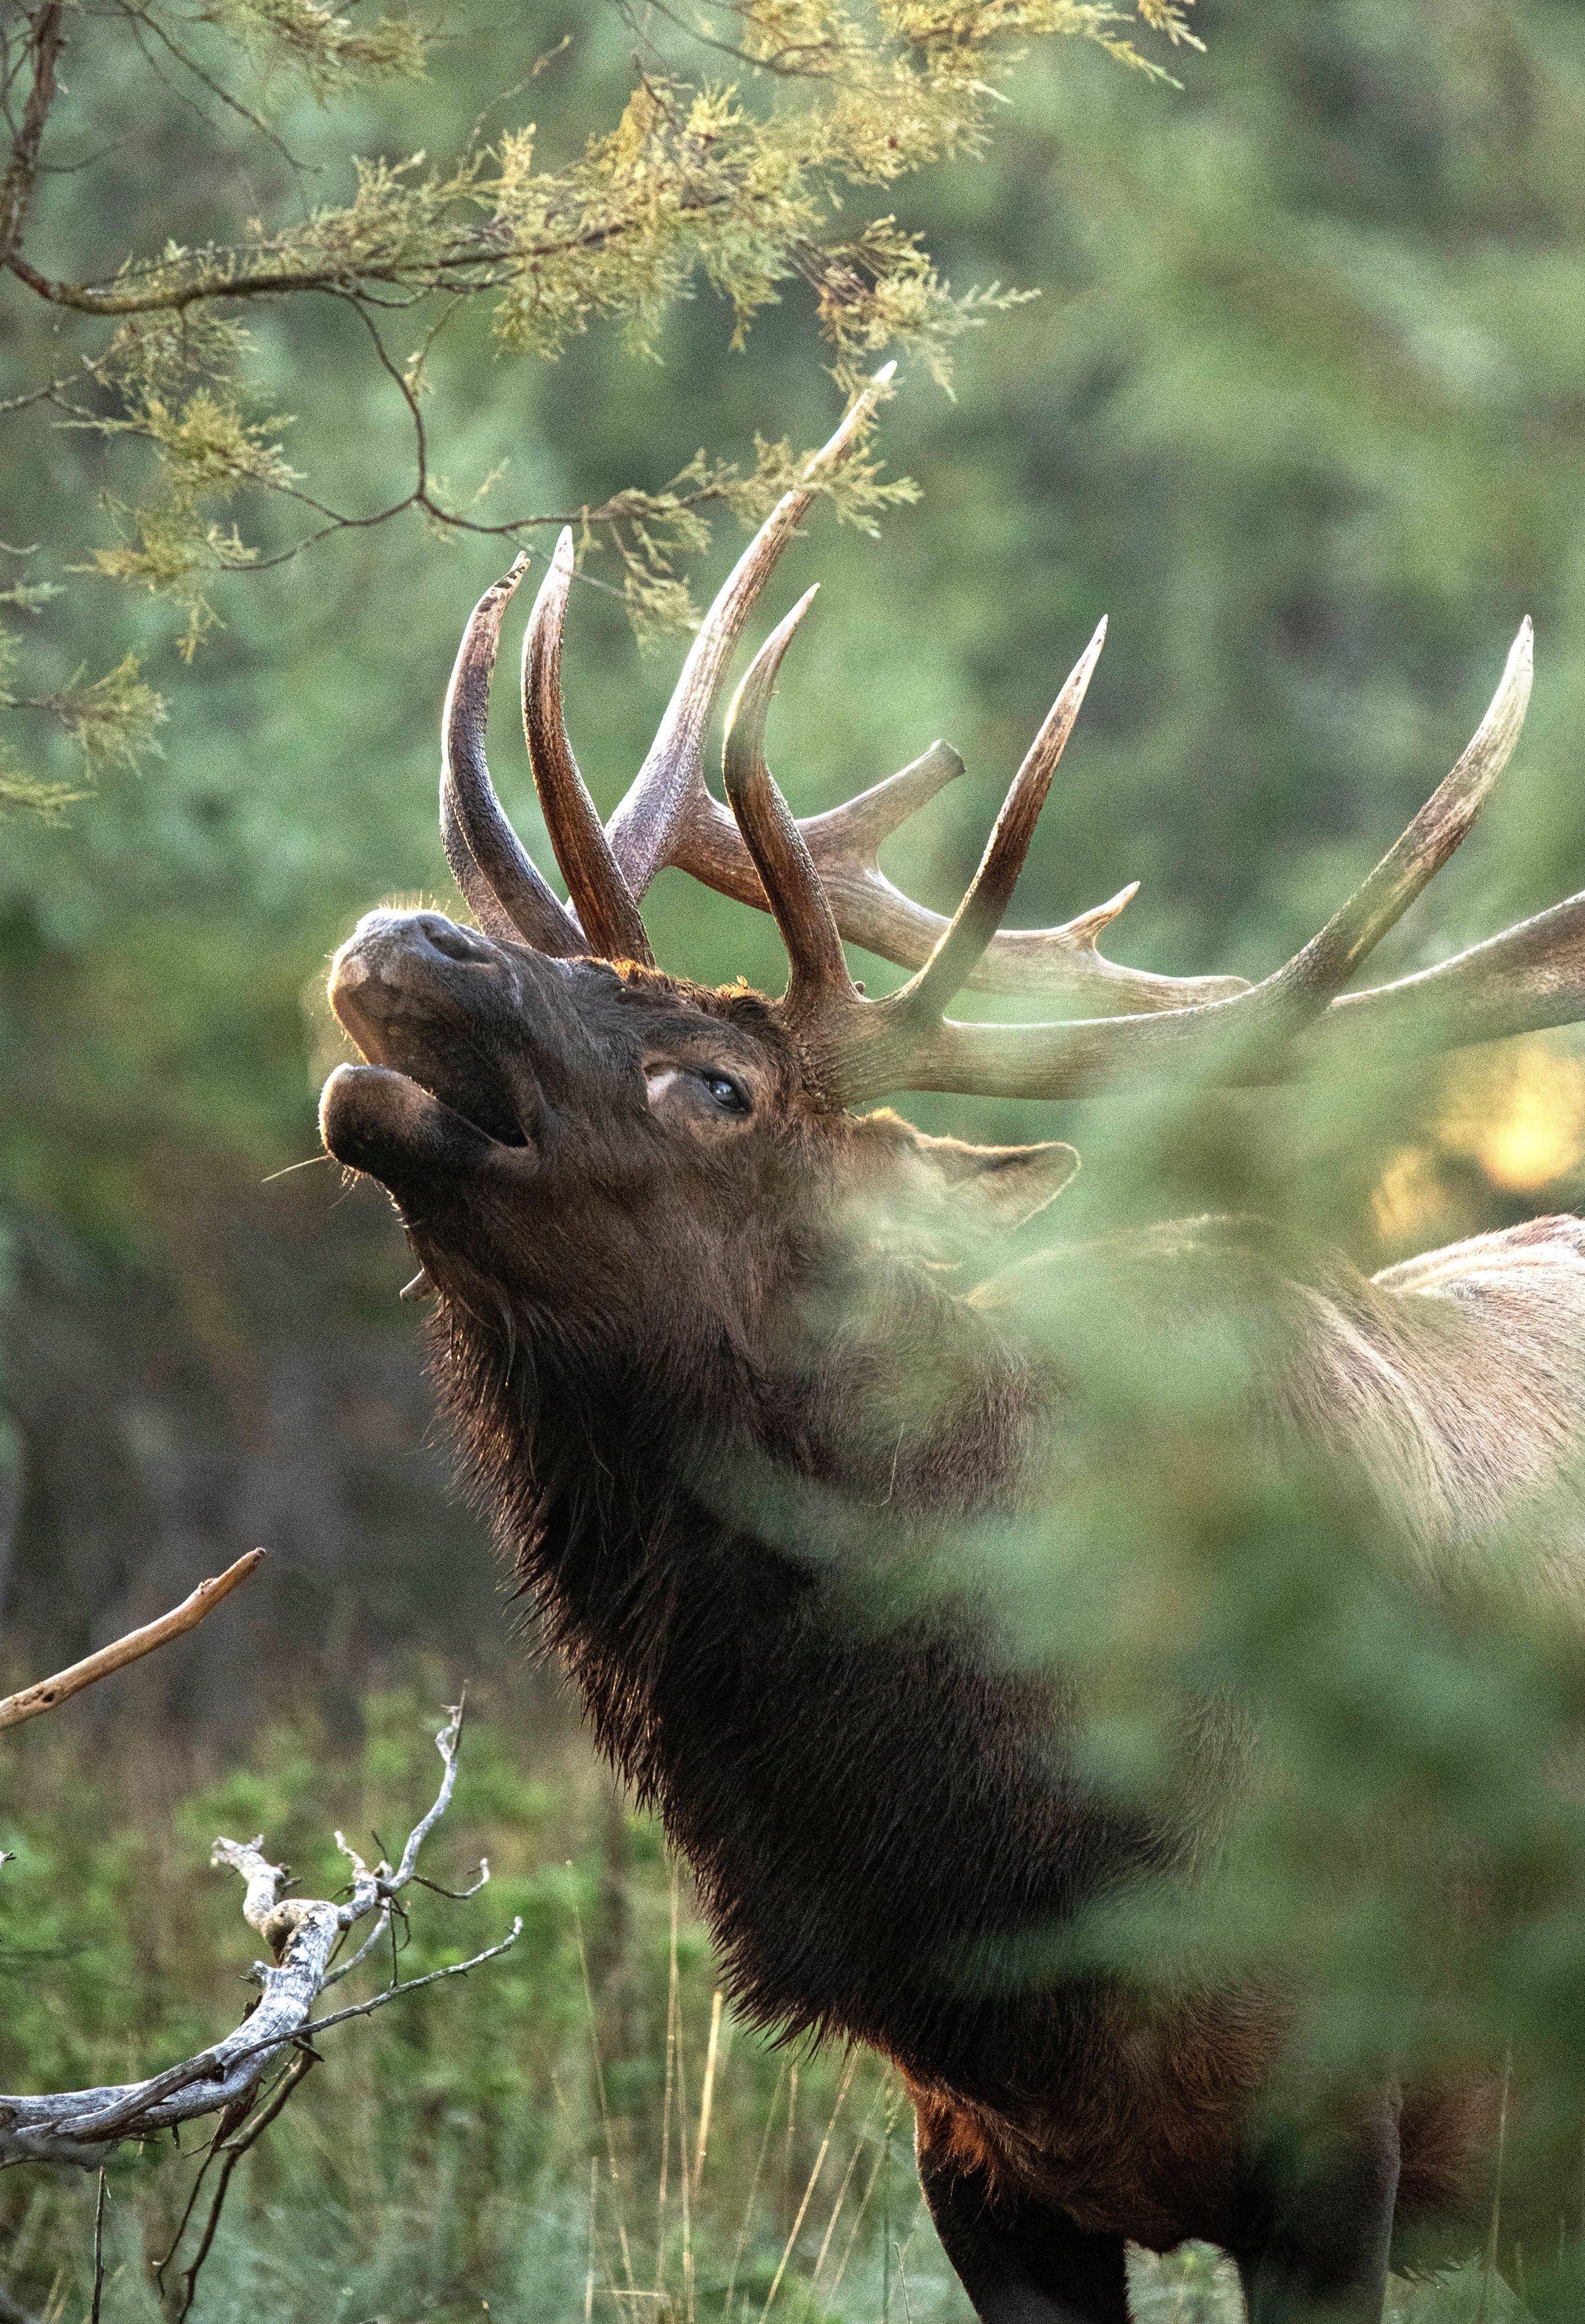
{"points": [[446, 938]]}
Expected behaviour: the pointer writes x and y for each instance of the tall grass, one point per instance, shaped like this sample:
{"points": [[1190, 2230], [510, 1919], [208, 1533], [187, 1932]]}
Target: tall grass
{"points": [[577, 2132]]}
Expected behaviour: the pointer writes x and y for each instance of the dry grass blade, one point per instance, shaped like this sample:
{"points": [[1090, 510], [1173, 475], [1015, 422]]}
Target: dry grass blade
{"points": [[707, 2091], [753, 2194], [813, 2182], [607, 2126], [848, 2176], [98, 2251]]}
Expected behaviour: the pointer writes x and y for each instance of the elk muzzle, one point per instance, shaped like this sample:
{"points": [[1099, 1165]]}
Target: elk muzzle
{"points": [[407, 969], [436, 1010]]}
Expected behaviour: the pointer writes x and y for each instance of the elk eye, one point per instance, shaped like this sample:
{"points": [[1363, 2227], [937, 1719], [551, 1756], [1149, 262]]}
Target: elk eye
{"points": [[728, 1095]]}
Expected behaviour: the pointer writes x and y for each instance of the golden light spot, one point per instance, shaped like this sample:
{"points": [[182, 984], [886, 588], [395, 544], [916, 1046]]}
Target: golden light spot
{"points": [[1520, 1115]]}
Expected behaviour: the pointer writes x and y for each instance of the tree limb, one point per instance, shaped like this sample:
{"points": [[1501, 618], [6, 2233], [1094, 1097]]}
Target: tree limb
{"points": [[50, 1692], [16, 189]]}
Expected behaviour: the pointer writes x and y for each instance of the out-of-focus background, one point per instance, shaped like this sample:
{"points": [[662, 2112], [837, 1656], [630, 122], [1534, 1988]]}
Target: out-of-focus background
{"points": [[1300, 405]]}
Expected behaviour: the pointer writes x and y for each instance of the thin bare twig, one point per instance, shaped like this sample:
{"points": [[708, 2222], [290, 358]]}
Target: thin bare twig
{"points": [[98, 2250], [31, 1701], [231, 2151]]}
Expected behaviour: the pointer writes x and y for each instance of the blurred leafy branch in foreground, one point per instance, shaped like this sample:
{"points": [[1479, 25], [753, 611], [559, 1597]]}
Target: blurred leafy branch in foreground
{"points": [[737, 178]]}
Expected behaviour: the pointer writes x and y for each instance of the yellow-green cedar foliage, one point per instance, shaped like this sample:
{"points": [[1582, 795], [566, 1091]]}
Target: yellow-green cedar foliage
{"points": [[730, 168]]}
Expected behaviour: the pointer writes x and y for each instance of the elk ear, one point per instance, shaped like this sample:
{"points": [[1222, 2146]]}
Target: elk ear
{"points": [[1001, 1186]]}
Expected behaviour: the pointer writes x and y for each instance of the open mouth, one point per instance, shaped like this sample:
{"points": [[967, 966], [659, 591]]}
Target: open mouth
{"points": [[451, 1070], [421, 997]]}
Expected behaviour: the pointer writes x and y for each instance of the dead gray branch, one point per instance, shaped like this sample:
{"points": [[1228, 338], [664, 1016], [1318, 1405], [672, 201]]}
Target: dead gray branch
{"points": [[304, 1934]]}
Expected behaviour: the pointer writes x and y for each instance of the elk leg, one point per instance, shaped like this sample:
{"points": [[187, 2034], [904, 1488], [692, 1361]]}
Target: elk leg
{"points": [[1323, 2255], [1023, 2263]]}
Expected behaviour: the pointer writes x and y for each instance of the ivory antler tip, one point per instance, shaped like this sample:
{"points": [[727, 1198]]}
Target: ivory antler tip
{"points": [[768, 658]]}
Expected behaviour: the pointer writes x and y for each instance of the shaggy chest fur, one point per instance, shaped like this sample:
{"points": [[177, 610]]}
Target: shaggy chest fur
{"points": [[888, 1834]]}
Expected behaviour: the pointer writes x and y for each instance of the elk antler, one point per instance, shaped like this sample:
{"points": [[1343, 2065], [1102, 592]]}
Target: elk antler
{"points": [[606, 906], [487, 858], [1531, 975], [668, 816], [820, 879]]}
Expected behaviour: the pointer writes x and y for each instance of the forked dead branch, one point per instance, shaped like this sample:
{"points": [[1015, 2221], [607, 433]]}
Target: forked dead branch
{"points": [[244, 2080], [306, 1936]]}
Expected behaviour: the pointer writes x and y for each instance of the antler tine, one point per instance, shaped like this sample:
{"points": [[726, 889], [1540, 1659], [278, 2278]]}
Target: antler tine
{"points": [[1519, 980], [464, 868], [990, 892], [1328, 960], [611, 922], [853, 830], [670, 783], [1530, 977], [819, 975], [485, 854]]}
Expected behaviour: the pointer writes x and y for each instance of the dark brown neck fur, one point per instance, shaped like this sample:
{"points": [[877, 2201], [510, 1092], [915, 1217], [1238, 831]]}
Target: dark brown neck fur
{"points": [[866, 1805]]}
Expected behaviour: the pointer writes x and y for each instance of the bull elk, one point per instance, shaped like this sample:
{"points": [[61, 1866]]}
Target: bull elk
{"points": [[657, 1335]]}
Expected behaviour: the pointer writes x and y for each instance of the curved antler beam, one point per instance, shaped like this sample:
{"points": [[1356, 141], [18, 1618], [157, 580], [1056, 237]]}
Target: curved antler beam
{"points": [[1529, 978]]}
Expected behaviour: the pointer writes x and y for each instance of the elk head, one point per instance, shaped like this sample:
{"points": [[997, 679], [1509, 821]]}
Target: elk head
{"points": [[568, 1133]]}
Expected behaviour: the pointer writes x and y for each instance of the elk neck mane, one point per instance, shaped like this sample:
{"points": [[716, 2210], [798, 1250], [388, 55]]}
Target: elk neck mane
{"points": [[921, 1802]]}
